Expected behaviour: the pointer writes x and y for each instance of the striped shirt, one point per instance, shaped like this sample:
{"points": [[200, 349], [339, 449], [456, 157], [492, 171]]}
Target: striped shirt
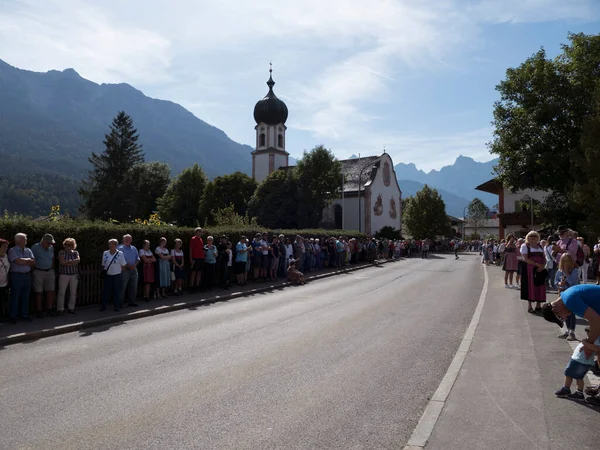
{"points": [[68, 256]]}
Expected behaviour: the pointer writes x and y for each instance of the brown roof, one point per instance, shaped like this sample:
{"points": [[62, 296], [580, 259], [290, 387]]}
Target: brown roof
{"points": [[492, 186]]}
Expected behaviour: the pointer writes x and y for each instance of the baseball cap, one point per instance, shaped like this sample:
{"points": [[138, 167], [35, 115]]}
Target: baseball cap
{"points": [[550, 316], [49, 239]]}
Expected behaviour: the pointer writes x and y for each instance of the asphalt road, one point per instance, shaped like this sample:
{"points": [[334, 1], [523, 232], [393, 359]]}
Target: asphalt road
{"points": [[346, 362]]}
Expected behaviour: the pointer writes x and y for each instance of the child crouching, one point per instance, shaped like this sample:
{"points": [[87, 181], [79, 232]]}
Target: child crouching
{"points": [[294, 275], [578, 366]]}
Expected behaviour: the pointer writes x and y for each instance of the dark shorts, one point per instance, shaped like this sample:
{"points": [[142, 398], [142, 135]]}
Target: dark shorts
{"points": [[576, 370], [257, 261], [240, 267], [265, 262], [198, 265]]}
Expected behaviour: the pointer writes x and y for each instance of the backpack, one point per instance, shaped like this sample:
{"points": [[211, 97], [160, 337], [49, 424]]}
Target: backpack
{"points": [[579, 255]]}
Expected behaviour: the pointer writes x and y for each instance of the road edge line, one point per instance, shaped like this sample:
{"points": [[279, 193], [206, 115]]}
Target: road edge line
{"points": [[428, 420]]}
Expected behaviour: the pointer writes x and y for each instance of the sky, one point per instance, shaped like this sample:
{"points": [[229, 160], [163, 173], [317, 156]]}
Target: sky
{"points": [[416, 77]]}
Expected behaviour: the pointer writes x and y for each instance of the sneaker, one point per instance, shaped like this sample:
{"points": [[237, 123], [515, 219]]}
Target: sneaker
{"points": [[563, 335], [593, 400], [571, 337], [508, 286], [577, 395], [563, 392]]}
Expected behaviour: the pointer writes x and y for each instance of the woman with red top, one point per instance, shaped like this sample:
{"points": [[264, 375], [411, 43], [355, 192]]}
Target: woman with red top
{"points": [[196, 259]]}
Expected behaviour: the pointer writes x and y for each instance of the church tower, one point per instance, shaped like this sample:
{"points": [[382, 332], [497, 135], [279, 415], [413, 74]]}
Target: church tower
{"points": [[270, 115]]}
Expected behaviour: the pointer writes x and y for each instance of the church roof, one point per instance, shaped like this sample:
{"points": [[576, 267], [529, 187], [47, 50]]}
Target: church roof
{"points": [[351, 169], [270, 110]]}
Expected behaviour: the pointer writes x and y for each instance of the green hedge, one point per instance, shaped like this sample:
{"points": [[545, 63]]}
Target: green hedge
{"points": [[92, 236]]}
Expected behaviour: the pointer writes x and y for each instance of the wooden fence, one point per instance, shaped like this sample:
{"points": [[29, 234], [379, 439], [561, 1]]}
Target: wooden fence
{"points": [[89, 288]]}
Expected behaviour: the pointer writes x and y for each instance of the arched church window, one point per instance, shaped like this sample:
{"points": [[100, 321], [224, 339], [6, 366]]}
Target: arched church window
{"points": [[280, 141], [262, 140]]}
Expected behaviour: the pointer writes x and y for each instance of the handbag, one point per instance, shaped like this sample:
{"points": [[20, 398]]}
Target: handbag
{"points": [[104, 272]]}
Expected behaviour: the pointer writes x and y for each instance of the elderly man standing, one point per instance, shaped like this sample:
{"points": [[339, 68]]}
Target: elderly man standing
{"points": [[565, 244], [21, 261], [44, 278], [129, 274]]}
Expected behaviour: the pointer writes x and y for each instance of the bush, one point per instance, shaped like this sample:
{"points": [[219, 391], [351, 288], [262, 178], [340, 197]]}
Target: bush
{"points": [[92, 236], [388, 232]]}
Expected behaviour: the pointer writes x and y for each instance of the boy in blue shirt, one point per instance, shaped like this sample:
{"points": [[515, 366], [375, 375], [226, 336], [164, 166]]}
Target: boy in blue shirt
{"points": [[578, 366]]}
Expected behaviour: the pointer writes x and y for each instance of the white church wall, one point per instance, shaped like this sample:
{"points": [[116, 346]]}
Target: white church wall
{"points": [[261, 167], [382, 212], [280, 161], [350, 211]]}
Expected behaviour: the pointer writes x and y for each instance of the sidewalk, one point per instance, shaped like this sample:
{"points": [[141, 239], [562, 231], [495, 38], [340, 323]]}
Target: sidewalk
{"points": [[90, 316], [504, 396]]}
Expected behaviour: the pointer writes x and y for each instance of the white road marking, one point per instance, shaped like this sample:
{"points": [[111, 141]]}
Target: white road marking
{"points": [[424, 428]]}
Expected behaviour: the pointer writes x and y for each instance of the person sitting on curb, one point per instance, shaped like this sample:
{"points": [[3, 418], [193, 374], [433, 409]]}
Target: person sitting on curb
{"points": [[584, 301]]}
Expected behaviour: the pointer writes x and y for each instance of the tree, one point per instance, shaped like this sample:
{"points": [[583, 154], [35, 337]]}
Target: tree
{"points": [[107, 193], [181, 200], [545, 110], [587, 185], [150, 181], [275, 202], [228, 217], [477, 214], [235, 189], [425, 215], [319, 176]]}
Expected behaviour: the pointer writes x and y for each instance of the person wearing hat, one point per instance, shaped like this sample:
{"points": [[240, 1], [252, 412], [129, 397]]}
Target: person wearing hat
{"points": [[44, 278], [565, 244], [584, 301]]}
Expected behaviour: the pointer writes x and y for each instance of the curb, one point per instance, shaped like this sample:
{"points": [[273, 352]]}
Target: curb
{"points": [[69, 328]]}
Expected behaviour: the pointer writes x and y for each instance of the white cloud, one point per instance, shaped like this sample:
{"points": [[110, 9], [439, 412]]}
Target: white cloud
{"points": [[43, 35], [339, 60]]}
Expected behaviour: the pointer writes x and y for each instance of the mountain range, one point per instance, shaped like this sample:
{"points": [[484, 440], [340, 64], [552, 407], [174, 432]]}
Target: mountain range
{"points": [[51, 122], [455, 183]]}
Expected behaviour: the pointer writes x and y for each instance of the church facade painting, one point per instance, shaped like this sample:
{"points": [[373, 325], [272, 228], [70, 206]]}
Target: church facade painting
{"points": [[393, 212], [378, 208]]}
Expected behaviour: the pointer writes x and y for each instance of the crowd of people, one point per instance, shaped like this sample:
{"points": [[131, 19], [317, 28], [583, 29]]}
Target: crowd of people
{"points": [[559, 264], [153, 272]]}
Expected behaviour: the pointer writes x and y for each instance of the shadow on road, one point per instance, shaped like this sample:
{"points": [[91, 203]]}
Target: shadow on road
{"points": [[100, 329]]}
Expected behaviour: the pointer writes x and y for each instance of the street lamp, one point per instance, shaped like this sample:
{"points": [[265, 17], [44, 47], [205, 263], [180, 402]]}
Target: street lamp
{"points": [[464, 221], [366, 166]]}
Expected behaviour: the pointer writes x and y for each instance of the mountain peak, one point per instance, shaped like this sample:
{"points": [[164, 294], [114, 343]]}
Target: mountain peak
{"points": [[464, 159], [71, 72]]}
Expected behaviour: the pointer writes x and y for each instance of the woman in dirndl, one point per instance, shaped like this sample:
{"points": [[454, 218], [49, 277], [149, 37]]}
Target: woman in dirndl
{"points": [[534, 260], [510, 262], [148, 261]]}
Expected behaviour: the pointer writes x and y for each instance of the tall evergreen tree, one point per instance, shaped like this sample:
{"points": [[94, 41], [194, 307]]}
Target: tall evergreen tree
{"points": [[109, 191]]}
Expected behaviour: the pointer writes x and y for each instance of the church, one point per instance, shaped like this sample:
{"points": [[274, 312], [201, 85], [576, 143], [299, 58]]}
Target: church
{"points": [[371, 197]]}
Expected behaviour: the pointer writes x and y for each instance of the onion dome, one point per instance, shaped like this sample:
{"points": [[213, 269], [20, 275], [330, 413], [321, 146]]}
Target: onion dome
{"points": [[270, 110]]}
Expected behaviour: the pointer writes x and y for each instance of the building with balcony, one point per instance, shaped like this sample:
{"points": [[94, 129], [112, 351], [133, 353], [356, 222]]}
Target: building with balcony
{"points": [[515, 214]]}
